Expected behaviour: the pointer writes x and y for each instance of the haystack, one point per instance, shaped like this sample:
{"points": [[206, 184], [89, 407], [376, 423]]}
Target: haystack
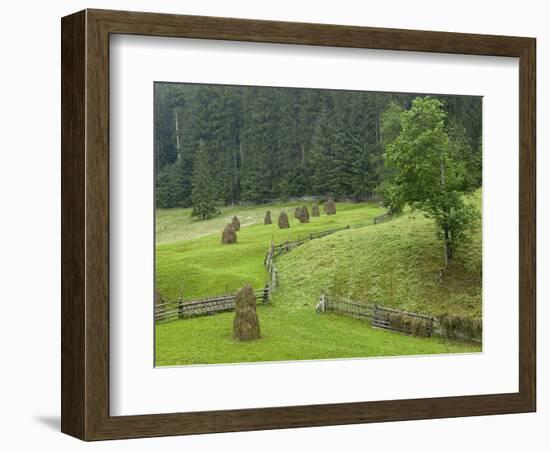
{"points": [[267, 218], [283, 220], [330, 207], [297, 213], [304, 215], [236, 223], [246, 326], [315, 211], [229, 235]]}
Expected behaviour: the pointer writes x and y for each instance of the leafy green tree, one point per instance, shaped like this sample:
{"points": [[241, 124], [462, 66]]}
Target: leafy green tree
{"points": [[204, 189], [390, 129], [428, 175], [391, 123]]}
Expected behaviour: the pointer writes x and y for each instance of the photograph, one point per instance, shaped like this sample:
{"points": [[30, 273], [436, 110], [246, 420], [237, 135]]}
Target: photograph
{"points": [[309, 224]]}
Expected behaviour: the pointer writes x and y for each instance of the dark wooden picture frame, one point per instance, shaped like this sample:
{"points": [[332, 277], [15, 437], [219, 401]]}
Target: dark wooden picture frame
{"points": [[85, 224]]}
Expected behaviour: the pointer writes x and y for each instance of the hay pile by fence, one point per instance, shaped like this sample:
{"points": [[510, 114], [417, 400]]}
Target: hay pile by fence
{"points": [[304, 215], [417, 326], [236, 223], [330, 207], [297, 213], [461, 327], [283, 220], [267, 218], [229, 235], [315, 211], [246, 326]]}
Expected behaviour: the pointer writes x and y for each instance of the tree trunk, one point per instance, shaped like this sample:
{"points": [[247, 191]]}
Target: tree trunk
{"points": [[177, 134], [448, 247], [446, 231]]}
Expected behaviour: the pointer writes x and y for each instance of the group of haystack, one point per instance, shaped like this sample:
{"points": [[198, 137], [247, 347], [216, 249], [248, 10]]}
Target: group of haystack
{"points": [[229, 235]]}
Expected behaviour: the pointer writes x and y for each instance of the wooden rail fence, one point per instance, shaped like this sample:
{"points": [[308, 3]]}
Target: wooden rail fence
{"points": [[201, 307], [382, 217], [392, 319], [290, 245]]}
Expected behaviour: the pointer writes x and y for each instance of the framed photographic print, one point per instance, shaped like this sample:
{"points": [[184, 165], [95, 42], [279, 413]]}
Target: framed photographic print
{"points": [[272, 225]]}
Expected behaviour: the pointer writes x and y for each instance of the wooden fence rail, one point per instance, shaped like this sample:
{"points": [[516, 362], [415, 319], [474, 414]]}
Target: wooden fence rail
{"points": [[382, 217], [397, 320], [194, 308], [290, 245]]}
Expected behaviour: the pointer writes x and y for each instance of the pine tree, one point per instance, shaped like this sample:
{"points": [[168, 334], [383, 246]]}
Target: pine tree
{"points": [[258, 146], [321, 155], [204, 191], [174, 186]]}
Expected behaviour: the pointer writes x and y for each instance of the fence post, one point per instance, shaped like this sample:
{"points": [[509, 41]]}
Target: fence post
{"points": [[180, 307]]}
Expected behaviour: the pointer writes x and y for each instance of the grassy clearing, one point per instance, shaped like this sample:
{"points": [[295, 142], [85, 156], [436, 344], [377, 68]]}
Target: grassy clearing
{"points": [[202, 266], [395, 264]]}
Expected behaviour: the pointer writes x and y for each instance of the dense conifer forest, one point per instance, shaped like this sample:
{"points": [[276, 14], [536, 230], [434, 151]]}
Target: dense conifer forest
{"points": [[228, 145]]}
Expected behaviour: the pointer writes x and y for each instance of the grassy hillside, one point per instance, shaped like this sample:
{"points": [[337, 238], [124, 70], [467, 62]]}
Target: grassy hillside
{"points": [[395, 263], [203, 266]]}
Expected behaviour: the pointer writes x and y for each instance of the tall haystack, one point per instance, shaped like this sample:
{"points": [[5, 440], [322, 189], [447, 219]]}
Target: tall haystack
{"points": [[304, 215], [315, 211], [283, 220], [236, 223], [246, 326], [267, 218], [330, 207], [229, 235], [297, 213]]}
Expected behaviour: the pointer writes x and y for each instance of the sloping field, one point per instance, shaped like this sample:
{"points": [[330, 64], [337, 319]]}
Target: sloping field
{"points": [[395, 264]]}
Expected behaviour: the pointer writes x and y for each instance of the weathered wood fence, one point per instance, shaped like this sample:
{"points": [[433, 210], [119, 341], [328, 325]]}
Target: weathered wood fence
{"points": [[382, 217], [290, 245], [273, 274], [201, 307], [400, 321]]}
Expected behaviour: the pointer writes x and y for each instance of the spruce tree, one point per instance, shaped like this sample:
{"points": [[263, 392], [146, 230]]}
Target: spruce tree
{"points": [[321, 155], [204, 190]]}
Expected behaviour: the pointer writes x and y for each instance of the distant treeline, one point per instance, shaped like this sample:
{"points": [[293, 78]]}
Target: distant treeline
{"points": [[254, 144]]}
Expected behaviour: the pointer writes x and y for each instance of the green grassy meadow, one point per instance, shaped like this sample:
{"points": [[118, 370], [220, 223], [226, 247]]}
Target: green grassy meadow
{"points": [[200, 265], [395, 263]]}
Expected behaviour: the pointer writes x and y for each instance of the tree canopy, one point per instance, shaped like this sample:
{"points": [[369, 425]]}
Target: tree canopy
{"points": [[263, 143]]}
